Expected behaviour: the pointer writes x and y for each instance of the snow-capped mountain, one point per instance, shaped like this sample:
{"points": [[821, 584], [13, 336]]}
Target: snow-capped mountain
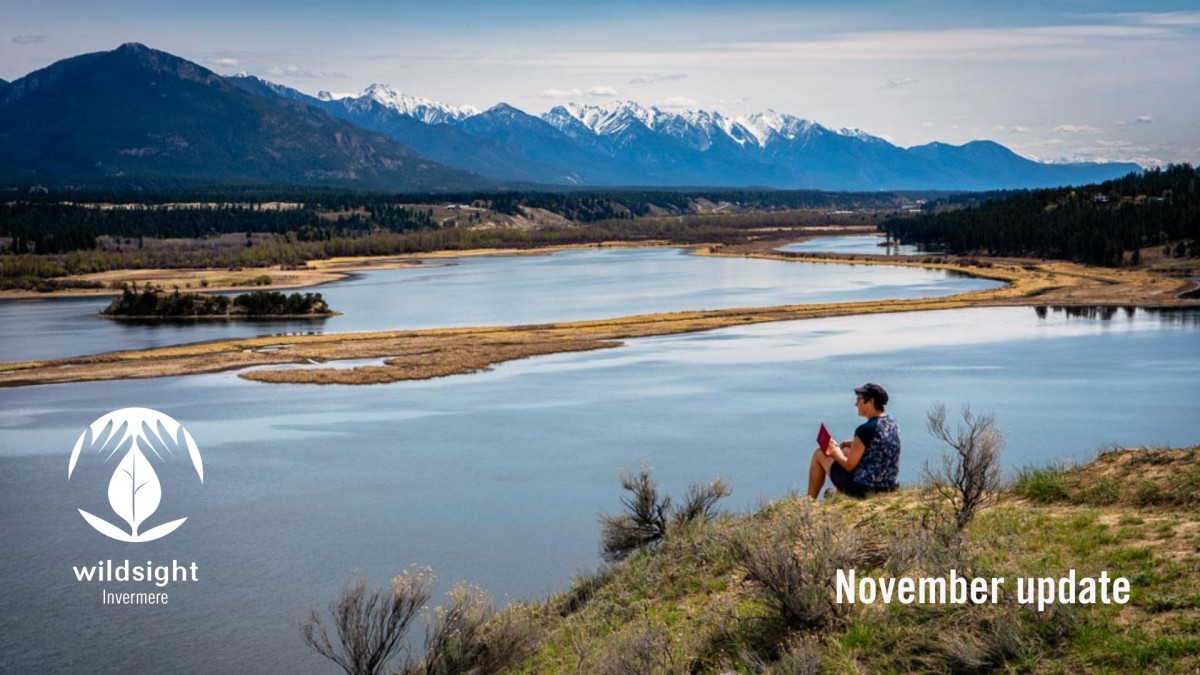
{"points": [[625, 143], [698, 128], [622, 143], [416, 107], [429, 127], [768, 126]]}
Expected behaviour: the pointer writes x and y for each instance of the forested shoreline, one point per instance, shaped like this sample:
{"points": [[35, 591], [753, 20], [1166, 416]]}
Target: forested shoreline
{"points": [[62, 239], [1106, 224], [45, 224], [44, 239]]}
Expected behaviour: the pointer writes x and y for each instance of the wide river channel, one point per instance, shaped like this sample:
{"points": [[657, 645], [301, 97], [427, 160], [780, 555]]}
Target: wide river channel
{"points": [[483, 291], [499, 477]]}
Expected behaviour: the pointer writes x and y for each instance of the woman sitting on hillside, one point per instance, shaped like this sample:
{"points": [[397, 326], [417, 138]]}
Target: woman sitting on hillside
{"points": [[868, 463]]}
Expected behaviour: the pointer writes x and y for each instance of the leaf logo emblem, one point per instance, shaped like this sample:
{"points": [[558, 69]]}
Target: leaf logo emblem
{"points": [[134, 491]]}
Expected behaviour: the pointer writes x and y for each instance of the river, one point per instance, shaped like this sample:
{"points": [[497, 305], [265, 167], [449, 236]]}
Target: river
{"points": [[498, 477], [474, 291]]}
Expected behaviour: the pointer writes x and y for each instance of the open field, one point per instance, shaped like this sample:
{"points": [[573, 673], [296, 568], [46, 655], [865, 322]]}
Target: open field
{"points": [[423, 354]]}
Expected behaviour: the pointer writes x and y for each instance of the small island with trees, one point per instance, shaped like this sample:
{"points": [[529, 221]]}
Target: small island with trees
{"points": [[153, 303]]}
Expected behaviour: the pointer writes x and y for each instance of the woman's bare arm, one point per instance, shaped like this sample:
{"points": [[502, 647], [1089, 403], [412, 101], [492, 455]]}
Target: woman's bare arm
{"points": [[849, 459]]}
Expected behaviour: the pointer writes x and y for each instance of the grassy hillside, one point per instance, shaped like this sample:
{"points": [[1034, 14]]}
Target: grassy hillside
{"points": [[753, 593]]}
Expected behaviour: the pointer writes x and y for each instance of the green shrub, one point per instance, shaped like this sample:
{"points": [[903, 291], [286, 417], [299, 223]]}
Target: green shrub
{"points": [[1147, 493], [1185, 488], [1105, 491], [1041, 484]]}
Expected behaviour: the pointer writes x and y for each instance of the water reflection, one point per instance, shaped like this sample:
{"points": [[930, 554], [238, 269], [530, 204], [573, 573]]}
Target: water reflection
{"points": [[861, 244], [1170, 315]]}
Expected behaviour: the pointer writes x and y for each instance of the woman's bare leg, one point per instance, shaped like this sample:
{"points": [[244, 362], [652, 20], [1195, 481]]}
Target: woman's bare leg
{"points": [[817, 472]]}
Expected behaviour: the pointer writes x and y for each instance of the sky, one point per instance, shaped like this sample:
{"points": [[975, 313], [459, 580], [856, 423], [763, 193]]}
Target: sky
{"points": [[1055, 81]]}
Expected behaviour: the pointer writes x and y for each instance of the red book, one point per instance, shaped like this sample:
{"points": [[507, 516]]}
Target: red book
{"points": [[823, 438]]}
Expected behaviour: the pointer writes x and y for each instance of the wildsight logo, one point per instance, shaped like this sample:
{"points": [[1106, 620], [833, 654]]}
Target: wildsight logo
{"points": [[140, 437]]}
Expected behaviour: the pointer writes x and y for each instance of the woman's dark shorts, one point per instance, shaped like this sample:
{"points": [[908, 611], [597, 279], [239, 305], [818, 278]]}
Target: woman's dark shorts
{"points": [[844, 480]]}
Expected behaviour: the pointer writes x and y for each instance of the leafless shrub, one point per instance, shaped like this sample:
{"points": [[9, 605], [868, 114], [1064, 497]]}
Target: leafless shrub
{"points": [[370, 624], [582, 589], [470, 637], [958, 650], [644, 521], [700, 502], [802, 657], [931, 549], [987, 638], [647, 515], [794, 565], [986, 642], [968, 478], [644, 653], [466, 637]]}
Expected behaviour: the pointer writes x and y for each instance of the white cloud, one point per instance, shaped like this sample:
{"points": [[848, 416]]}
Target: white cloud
{"points": [[292, 70], [1014, 129], [900, 82], [657, 77], [1083, 149], [560, 93], [1157, 18], [591, 92], [927, 125], [1140, 119], [1075, 129], [224, 61], [677, 102], [1019, 43]]}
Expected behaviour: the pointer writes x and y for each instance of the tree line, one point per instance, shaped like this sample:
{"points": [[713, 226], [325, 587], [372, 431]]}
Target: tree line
{"points": [[151, 301], [44, 223], [43, 227], [1094, 224], [288, 250], [318, 238]]}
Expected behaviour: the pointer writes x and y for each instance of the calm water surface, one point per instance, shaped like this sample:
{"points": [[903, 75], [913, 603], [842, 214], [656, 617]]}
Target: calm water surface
{"points": [[499, 477], [868, 244], [571, 285]]}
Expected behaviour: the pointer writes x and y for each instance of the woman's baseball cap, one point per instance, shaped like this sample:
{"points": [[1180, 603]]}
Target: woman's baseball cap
{"points": [[877, 393]]}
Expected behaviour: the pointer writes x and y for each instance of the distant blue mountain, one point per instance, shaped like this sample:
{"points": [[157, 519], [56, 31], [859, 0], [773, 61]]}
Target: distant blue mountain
{"points": [[100, 113], [780, 150], [984, 165], [502, 143], [136, 113], [626, 144]]}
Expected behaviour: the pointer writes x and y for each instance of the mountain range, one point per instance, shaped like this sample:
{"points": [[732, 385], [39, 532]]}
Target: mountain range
{"points": [[136, 113]]}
